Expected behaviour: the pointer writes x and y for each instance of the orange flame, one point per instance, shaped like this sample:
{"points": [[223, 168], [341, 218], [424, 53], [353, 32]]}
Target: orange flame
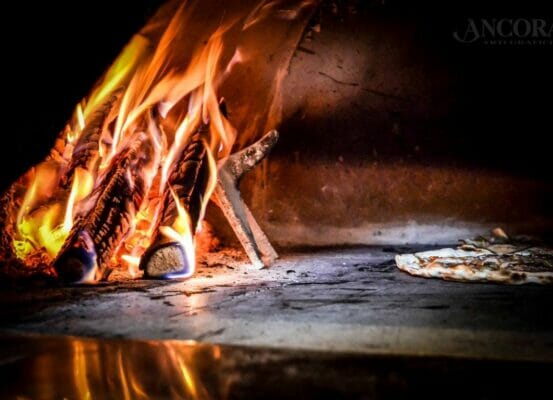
{"points": [[124, 363], [164, 85], [49, 227]]}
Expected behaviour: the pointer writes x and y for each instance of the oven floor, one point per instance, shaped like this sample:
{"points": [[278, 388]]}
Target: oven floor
{"points": [[344, 300]]}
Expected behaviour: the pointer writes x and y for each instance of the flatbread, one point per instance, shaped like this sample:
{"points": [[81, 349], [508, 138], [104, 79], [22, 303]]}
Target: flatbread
{"points": [[503, 263]]}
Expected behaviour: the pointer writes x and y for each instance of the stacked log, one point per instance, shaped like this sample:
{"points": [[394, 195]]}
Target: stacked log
{"points": [[105, 218]]}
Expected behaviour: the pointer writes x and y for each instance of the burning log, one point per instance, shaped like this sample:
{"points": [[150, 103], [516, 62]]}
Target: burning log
{"points": [[188, 181], [86, 149], [168, 257], [165, 260], [96, 236], [6, 220], [9, 264], [228, 198]]}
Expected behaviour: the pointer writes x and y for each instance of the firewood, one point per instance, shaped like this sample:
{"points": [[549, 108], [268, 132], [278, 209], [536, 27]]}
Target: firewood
{"points": [[245, 160], [87, 146], [164, 260], [10, 266], [37, 264], [188, 181], [7, 205], [227, 196], [96, 236]]}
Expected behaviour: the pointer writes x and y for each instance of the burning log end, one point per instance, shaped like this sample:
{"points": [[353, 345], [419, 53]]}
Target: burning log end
{"points": [[165, 258], [243, 161], [166, 261], [78, 263]]}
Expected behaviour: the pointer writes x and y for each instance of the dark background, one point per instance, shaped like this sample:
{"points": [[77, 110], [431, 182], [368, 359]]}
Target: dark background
{"points": [[53, 53]]}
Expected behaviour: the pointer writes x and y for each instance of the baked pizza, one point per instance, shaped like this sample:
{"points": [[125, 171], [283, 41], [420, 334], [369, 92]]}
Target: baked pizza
{"points": [[483, 260]]}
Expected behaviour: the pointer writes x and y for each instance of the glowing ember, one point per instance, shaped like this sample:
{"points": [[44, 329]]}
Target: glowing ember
{"points": [[120, 178]]}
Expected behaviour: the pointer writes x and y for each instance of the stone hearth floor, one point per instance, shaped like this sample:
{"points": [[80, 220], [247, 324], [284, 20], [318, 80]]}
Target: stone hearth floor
{"points": [[352, 300]]}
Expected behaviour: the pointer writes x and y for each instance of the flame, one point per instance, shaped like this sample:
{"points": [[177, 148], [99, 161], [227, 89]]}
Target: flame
{"points": [[80, 370], [80, 120], [124, 369], [181, 232], [81, 187], [160, 90]]}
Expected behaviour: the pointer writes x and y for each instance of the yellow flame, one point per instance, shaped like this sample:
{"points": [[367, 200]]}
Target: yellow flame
{"points": [[81, 187], [118, 73], [80, 116], [188, 379], [181, 232], [211, 184], [51, 235], [80, 371]]}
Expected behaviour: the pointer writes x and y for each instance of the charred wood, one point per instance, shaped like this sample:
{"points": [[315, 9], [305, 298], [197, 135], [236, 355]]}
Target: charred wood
{"points": [[87, 146], [97, 235], [188, 181]]}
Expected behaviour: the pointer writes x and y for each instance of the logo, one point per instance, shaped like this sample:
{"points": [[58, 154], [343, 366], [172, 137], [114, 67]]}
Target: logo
{"points": [[506, 31]]}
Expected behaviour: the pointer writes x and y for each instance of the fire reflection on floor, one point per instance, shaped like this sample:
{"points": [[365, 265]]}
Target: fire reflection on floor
{"points": [[77, 368]]}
